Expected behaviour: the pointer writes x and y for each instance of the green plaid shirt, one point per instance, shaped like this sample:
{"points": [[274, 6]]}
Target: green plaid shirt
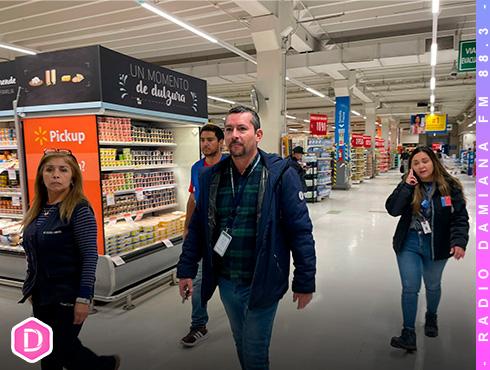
{"points": [[238, 263]]}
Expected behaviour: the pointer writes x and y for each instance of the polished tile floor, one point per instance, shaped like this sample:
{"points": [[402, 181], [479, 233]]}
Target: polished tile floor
{"points": [[348, 325]]}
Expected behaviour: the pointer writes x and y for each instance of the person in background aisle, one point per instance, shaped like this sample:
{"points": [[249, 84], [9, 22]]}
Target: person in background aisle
{"points": [[295, 162], [433, 228], [251, 215], [404, 161], [211, 144], [60, 241]]}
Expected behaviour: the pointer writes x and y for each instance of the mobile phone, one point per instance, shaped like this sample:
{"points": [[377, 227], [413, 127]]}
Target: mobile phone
{"points": [[187, 293]]}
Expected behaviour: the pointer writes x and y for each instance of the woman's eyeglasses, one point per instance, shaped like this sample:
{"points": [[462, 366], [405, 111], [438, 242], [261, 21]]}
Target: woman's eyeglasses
{"points": [[60, 151]]}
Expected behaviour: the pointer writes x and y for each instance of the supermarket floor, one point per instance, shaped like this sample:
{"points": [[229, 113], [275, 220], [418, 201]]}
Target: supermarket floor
{"points": [[348, 325]]}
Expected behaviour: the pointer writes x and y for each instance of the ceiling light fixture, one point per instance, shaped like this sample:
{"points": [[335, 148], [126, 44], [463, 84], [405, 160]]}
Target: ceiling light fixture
{"points": [[432, 109], [309, 89], [356, 113], [315, 92], [432, 83], [433, 54], [435, 6], [432, 98], [221, 99], [17, 48], [195, 30], [290, 117], [306, 121]]}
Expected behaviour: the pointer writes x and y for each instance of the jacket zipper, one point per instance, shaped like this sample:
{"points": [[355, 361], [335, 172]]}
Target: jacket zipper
{"points": [[432, 234]]}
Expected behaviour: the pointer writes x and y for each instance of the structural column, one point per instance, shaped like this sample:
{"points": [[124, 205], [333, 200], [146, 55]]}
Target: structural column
{"points": [[342, 172], [270, 81], [370, 129]]}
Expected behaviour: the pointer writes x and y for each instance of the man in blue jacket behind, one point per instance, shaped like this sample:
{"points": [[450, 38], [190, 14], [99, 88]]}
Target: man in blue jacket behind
{"points": [[250, 216]]}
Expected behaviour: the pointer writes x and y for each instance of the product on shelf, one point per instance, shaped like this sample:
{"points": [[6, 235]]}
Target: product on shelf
{"points": [[114, 129], [130, 204], [125, 236], [113, 182], [318, 176], [121, 130], [112, 157], [358, 161], [7, 207], [8, 136]]}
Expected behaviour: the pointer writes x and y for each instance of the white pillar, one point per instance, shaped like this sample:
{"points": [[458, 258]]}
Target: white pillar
{"points": [[270, 80], [271, 83]]}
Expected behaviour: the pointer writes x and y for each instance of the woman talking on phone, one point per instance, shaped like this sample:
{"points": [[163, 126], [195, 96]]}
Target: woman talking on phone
{"points": [[433, 228], [60, 241]]}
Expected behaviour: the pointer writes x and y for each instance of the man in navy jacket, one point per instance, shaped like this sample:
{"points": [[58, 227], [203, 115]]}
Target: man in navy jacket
{"points": [[250, 217]]}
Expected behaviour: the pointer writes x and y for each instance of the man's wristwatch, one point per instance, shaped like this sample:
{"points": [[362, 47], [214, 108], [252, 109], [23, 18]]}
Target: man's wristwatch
{"points": [[83, 300]]}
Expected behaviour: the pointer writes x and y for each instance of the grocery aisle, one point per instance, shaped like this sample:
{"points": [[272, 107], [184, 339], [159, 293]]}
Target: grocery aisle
{"points": [[355, 311]]}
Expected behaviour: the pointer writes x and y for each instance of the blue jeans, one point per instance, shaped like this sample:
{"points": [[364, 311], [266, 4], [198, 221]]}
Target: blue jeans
{"points": [[252, 329], [199, 312], [415, 262]]}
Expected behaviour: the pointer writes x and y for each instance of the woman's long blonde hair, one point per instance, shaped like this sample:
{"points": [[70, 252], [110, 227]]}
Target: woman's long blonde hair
{"points": [[74, 196], [441, 178]]}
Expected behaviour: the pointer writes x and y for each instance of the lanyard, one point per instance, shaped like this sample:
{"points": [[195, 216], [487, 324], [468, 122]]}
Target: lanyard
{"points": [[237, 198], [427, 198]]}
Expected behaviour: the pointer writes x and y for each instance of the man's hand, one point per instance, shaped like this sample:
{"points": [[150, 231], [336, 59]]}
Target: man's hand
{"points": [[303, 299], [81, 313], [185, 288], [457, 252]]}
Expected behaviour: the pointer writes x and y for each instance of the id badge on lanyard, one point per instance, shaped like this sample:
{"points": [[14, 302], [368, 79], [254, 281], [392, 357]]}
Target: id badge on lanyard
{"points": [[225, 238], [426, 227]]}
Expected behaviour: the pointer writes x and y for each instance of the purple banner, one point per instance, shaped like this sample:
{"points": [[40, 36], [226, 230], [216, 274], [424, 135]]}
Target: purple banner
{"points": [[482, 191]]}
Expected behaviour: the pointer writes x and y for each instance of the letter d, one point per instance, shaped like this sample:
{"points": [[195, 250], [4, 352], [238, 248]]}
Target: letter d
{"points": [[483, 303], [26, 340]]}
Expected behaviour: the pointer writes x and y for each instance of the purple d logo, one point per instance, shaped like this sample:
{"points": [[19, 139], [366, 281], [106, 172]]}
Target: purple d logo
{"points": [[31, 340]]}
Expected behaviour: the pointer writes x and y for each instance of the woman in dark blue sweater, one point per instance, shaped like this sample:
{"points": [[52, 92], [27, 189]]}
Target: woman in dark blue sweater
{"points": [[60, 241], [433, 228]]}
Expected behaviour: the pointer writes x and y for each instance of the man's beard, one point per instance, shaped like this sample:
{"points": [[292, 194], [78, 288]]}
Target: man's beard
{"points": [[211, 154], [238, 151]]}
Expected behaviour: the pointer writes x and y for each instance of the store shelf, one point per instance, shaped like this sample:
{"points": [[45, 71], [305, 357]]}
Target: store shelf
{"points": [[133, 214], [10, 248], [8, 147], [12, 216], [10, 194], [152, 188], [136, 168], [134, 143], [160, 243]]}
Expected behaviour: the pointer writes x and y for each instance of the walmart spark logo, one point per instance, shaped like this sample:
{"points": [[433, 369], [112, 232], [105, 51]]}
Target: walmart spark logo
{"points": [[40, 136]]}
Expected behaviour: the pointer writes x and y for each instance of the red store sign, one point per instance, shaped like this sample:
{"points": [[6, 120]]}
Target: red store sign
{"points": [[318, 124], [380, 143], [357, 141], [367, 141]]}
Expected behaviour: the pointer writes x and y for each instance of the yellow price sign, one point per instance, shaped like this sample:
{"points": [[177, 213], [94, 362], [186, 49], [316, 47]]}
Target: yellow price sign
{"points": [[435, 122]]}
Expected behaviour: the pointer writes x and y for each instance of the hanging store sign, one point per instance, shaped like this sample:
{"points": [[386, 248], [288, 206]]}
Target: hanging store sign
{"points": [[436, 123], [77, 134], [380, 143], [60, 77], [97, 74], [8, 85], [342, 124], [417, 124], [467, 56], [318, 124], [357, 141], [367, 141], [132, 82]]}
